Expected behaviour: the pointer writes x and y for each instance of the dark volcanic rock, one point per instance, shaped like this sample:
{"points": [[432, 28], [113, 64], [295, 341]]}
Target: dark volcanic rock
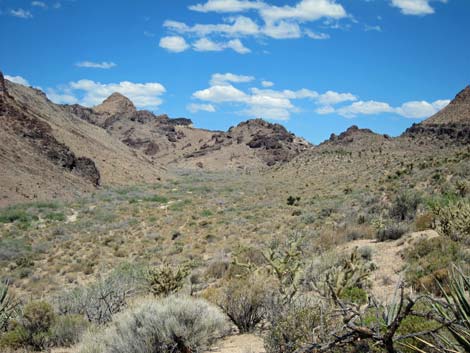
{"points": [[456, 133], [39, 134], [350, 134]]}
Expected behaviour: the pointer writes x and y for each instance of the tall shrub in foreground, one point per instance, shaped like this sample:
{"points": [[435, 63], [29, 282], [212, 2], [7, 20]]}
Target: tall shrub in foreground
{"points": [[173, 324]]}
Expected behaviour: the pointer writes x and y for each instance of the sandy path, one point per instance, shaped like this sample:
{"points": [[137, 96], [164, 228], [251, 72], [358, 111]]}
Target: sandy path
{"points": [[388, 258]]}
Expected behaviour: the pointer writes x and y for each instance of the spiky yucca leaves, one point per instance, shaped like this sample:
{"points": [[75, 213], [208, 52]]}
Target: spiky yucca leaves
{"points": [[8, 306], [457, 309], [454, 313], [165, 279]]}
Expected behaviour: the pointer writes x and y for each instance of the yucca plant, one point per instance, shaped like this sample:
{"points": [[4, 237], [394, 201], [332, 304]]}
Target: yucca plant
{"points": [[456, 308], [8, 306], [453, 312]]}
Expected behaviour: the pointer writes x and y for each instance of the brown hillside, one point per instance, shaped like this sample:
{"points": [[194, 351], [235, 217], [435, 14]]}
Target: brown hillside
{"points": [[47, 152]]}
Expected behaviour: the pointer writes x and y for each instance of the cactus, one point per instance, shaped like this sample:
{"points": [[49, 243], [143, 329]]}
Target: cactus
{"points": [[285, 265], [352, 272], [165, 279], [454, 220]]}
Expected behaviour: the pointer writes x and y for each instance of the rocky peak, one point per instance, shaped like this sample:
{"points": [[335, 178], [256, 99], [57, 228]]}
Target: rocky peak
{"points": [[116, 104], [349, 135], [456, 113], [463, 96], [3, 88]]}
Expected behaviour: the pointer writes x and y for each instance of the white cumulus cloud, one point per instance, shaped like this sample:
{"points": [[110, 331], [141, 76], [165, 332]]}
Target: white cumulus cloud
{"points": [[226, 6], [205, 44], [39, 4], [96, 65], [194, 108], [221, 79], [364, 108], [175, 44], [415, 7], [17, 79], [421, 109], [21, 13], [267, 84]]}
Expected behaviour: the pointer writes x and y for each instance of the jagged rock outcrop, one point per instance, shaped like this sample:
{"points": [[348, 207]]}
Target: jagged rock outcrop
{"points": [[357, 136]]}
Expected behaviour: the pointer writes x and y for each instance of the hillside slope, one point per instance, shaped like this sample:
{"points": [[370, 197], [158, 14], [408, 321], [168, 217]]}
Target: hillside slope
{"points": [[47, 152]]}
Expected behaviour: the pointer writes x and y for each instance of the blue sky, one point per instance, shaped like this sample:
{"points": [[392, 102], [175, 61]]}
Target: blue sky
{"points": [[316, 66]]}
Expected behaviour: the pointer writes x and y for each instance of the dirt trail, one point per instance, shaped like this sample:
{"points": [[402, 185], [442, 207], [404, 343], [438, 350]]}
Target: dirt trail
{"points": [[239, 344], [388, 258]]}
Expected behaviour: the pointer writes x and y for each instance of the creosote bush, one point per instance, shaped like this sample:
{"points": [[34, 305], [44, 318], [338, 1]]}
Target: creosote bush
{"points": [[391, 232], [101, 299], [68, 329], [33, 329], [243, 300], [405, 206], [293, 325], [173, 324]]}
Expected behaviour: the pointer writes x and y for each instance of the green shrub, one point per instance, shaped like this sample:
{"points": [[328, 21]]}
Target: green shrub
{"points": [[429, 260], [173, 324], [12, 249], [424, 222], [15, 214], [101, 299], [156, 198], [354, 295], [405, 205], [243, 300], [33, 328], [391, 232], [68, 329], [55, 216], [292, 326], [293, 200]]}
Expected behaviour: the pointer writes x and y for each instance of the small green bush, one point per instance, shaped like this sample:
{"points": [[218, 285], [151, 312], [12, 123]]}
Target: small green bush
{"points": [[33, 329], [156, 198], [173, 324], [429, 260], [243, 300], [424, 222], [55, 216], [68, 329], [355, 295], [14, 214], [391, 232], [405, 206], [293, 326]]}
